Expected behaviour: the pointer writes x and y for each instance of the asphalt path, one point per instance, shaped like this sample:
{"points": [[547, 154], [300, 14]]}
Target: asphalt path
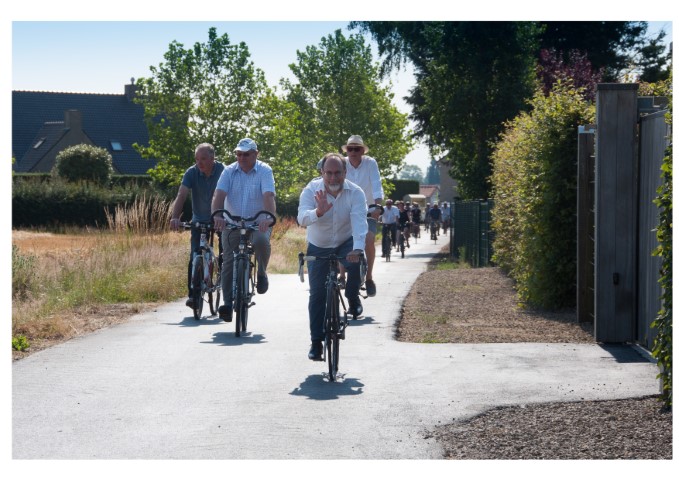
{"points": [[164, 386]]}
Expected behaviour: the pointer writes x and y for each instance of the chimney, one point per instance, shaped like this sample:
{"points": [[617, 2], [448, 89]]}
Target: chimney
{"points": [[130, 90], [73, 120]]}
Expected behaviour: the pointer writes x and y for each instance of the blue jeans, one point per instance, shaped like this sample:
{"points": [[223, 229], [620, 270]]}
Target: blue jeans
{"points": [[318, 272]]}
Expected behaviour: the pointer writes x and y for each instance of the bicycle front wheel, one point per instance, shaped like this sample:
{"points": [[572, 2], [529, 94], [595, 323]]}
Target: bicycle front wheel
{"points": [[241, 299], [197, 287], [332, 334], [216, 282]]}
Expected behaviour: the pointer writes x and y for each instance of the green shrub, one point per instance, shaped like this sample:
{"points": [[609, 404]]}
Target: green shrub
{"points": [[534, 184], [20, 343], [84, 163]]}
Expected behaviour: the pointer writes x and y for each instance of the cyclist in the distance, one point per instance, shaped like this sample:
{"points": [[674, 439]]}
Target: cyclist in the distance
{"points": [[245, 187], [334, 212], [435, 218], [403, 224], [201, 180]]}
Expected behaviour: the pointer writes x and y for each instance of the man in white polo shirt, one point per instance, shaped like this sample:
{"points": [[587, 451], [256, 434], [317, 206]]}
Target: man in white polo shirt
{"points": [[363, 171]]}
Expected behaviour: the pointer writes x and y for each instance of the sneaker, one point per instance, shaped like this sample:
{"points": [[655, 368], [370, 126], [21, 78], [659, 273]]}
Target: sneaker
{"points": [[355, 307], [316, 351], [262, 283], [189, 302], [225, 313], [342, 283], [370, 288]]}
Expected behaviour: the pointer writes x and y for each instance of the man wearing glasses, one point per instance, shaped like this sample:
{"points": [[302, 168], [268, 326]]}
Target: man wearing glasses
{"points": [[363, 171], [245, 187]]}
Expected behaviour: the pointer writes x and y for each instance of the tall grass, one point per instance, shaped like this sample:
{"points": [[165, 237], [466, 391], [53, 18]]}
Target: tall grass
{"points": [[136, 261], [144, 215]]}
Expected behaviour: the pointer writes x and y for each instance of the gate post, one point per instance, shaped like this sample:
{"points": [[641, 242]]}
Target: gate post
{"points": [[585, 224]]}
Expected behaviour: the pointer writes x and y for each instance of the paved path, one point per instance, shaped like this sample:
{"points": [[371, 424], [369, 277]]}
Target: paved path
{"points": [[166, 387]]}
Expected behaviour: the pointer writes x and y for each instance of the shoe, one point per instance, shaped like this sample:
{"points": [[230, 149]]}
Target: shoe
{"points": [[316, 351], [342, 283], [355, 307], [225, 313], [383, 255], [370, 288], [262, 283], [189, 302]]}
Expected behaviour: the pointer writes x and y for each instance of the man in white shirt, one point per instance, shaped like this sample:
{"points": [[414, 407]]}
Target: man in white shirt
{"points": [[390, 218], [363, 171], [334, 212]]}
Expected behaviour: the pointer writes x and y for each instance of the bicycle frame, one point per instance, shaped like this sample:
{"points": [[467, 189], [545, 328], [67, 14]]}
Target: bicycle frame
{"points": [[204, 258]]}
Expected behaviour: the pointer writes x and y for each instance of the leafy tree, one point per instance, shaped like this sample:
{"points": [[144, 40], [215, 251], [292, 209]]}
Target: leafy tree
{"points": [[471, 77], [337, 94], [655, 66], [552, 68], [433, 176], [84, 162], [208, 93], [411, 172]]}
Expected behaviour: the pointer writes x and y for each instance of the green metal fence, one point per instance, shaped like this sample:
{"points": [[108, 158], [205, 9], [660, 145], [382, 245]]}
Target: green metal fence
{"points": [[473, 238]]}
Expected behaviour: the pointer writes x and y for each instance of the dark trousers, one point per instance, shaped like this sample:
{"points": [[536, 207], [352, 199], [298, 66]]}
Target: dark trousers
{"points": [[388, 229], [318, 272]]}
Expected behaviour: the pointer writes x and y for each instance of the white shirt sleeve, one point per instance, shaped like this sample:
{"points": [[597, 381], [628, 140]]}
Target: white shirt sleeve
{"points": [[376, 180], [306, 212]]}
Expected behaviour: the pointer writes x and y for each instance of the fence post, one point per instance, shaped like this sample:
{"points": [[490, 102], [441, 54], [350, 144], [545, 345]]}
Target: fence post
{"points": [[585, 224]]}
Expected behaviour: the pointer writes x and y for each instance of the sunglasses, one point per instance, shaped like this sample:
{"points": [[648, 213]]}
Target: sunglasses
{"points": [[354, 149]]}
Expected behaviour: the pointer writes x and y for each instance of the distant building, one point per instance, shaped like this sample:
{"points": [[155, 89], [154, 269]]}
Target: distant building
{"points": [[448, 185], [430, 193], [45, 123]]}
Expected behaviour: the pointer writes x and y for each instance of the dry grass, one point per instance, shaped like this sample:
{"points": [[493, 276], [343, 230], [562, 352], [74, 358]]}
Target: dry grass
{"points": [[74, 283]]}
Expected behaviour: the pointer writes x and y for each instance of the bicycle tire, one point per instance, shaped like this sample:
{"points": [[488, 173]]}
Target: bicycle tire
{"points": [[402, 245], [240, 300], [197, 288], [387, 247], [215, 295], [332, 331]]}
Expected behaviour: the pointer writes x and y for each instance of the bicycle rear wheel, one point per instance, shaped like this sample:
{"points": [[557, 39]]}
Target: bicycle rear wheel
{"points": [[197, 287], [402, 245], [332, 334], [387, 247], [241, 300]]}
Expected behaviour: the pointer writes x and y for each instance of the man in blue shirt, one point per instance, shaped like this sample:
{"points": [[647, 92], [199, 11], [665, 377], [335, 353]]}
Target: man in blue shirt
{"points": [[245, 188], [200, 179]]}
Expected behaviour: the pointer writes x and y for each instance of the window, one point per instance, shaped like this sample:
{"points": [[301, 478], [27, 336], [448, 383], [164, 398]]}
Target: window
{"points": [[116, 146], [39, 142]]}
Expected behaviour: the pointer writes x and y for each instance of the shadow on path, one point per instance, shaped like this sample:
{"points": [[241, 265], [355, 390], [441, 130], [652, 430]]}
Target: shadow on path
{"points": [[318, 387]]}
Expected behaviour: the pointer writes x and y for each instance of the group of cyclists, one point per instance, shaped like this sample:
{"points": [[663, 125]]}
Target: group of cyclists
{"points": [[405, 220]]}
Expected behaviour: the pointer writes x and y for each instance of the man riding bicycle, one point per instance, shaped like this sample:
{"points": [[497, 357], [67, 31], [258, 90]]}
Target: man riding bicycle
{"points": [[403, 224], [389, 224], [435, 218], [201, 179], [334, 212]]}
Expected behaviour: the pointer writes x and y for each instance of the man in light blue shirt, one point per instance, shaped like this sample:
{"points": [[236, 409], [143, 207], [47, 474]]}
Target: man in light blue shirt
{"points": [[334, 212], [245, 188]]}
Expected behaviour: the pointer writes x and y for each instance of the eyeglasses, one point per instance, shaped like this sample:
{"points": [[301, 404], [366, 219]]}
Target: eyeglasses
{"points": [[354, 149], [338, 173]]}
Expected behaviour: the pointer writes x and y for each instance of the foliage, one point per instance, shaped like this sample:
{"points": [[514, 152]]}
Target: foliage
{"points": [[337, 94], [662, 345], [534, 186], [655, 66], [610, 46], [433, 176], [403, 188], [57, 203], [471, 77], [552, 67], [411, 172], [20, 343], [208, 93], [84, 163]]}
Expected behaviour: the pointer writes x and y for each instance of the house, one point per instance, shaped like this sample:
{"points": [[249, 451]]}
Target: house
{"points": [[430, 193], [44, 123], [448, 185]]}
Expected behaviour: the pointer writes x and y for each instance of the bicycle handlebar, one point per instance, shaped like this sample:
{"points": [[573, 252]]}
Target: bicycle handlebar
{"points": [[242, 220], [311, 258], [191, 225]]}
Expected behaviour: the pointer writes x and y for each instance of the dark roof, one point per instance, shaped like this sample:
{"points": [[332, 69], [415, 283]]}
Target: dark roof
{"points": [[105, 117]]}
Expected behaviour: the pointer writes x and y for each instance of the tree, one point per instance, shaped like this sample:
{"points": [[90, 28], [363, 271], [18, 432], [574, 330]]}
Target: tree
{"points": [[411, 172], [208, 93], [552, 69], [84, 163], [433, 176], [471, 77], [338, 94]]}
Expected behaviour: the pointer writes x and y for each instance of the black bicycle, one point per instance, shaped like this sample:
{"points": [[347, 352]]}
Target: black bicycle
{"points": [[206, 269], [434, 229], [244, 282], [335, 321]]}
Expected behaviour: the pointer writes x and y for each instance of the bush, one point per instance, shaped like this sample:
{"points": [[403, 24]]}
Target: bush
{"points": [[534, 184], [84, 163]]}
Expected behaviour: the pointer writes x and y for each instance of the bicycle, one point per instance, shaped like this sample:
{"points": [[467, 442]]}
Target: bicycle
{"points": [[244, 282], [402, 239], [416, 231], [386, 241], [334, 321], [434, 230], [206, 270]]}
